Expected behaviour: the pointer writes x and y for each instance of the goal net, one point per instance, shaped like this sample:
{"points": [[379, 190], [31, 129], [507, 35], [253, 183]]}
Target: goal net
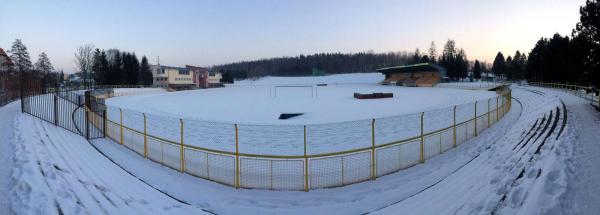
{"points": [[294, 91]]}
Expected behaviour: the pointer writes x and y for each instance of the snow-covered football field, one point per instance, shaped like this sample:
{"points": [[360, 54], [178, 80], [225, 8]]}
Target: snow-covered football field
{"points": [[262, 101], [335, 120]]}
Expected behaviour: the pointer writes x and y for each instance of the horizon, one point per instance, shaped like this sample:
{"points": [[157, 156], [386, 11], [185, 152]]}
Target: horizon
{"points": [[212, 33]]}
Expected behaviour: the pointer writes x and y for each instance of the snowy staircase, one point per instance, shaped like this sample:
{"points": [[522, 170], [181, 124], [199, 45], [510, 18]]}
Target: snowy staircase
{"points": [[530, 153]]}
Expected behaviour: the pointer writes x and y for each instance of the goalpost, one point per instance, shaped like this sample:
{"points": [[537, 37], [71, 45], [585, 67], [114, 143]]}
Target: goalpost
{"points": [[294, 89]]}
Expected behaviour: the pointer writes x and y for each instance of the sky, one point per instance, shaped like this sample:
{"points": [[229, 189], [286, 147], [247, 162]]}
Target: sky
{"points": [[205, 33]]}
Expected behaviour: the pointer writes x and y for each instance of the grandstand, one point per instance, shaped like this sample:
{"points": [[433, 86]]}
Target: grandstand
{"points": [[415, 75]]}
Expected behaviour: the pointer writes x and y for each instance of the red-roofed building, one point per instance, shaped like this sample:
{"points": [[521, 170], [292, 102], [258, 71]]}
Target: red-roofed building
{"points": [[5, 61]]}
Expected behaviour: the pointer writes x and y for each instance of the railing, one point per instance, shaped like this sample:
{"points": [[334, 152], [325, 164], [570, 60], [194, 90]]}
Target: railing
{"points": [[588, 93], [301, 157]]}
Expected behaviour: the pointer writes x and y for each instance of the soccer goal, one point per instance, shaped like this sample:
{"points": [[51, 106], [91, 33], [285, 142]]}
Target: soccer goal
{"points": [[294, 91]]}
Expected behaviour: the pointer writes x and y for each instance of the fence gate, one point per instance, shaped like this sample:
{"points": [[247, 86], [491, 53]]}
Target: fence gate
{"points": [[77, 111]]}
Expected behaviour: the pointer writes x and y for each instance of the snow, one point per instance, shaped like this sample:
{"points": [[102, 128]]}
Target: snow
{"points": [[256, 105], [58, 172], [137, 91], [477, 85], [7, 115], [335, 120], [481, 176], [576, 175], [354, 78]]}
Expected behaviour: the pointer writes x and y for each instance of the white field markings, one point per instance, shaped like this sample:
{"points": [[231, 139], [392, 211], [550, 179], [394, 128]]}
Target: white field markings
{"points": [[60, 173]]}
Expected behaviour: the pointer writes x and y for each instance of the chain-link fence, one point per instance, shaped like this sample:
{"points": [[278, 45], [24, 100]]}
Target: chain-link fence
{"points": [[301, 157]]}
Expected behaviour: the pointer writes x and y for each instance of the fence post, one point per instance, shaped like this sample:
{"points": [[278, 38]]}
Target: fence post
{"points": [[475, 119], [237, 159], [55, 108], [22, 91], [502, 106], [104, 125], [87, 123], [454, 127], [509, 100], [488, 113], [145, 137], [497, 109], [121, 125], [373, 160], [181, 152], [422, 140], [305, 163]]}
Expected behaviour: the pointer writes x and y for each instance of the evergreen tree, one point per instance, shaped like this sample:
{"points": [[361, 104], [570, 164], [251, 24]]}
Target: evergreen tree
{"points": [[432, 52], [416, 56], [508, 72], [448, 59], [20, 56], [477, 70], [145, 72], [61, 77], [43, 64], [517, 66], [100, 67], [499, 65], [462, 64], [587, 41], [115, 67]]}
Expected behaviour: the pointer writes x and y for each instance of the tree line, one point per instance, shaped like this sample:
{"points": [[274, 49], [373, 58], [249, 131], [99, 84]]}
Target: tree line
{"points": [[560, 59], [19, 55], [453, 58], [114, 67], [95, 66], [111, 67]]}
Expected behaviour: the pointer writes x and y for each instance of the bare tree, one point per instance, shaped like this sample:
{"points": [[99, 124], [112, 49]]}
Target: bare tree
{"points": [[84, 57]]}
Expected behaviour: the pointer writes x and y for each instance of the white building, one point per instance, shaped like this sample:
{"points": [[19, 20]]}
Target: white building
{"points": [[173, 77]]}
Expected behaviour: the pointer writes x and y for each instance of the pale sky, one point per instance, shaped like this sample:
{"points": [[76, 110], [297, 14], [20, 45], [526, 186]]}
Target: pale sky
{"points": [[206, 33]]}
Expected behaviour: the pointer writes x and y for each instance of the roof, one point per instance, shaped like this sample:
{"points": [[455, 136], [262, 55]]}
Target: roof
{"points": [[196, 68], [413, 68], [172, 67], [7, 59]]}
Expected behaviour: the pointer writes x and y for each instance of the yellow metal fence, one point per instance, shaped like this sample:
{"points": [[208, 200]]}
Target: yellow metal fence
{"points": [[301, 157]]}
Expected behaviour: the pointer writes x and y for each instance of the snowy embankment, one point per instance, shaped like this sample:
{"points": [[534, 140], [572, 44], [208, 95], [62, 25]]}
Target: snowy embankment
{"points": [[527, 164]]}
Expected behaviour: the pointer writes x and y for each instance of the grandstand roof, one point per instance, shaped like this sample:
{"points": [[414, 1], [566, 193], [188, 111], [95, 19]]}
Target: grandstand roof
{"points": [[413, 68]]}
